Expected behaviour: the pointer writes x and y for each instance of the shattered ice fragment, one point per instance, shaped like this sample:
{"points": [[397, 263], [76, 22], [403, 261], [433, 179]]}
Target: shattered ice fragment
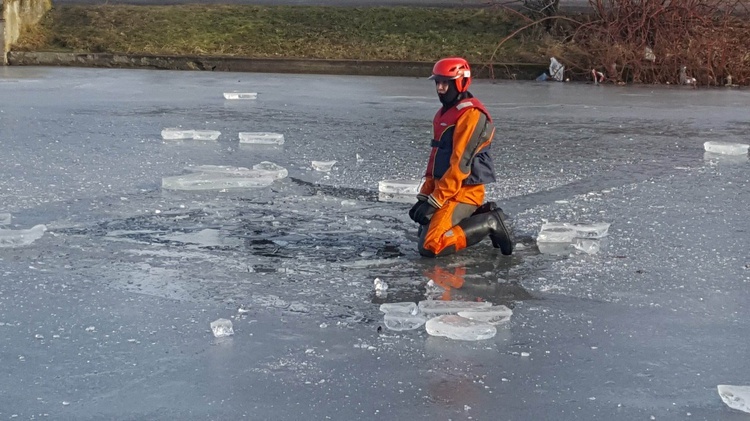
{"points": [[218, 169], [555, 248], [586, 245], [182, 134], [323, 166], [403, 321], [176, 134], [214, 181], [716, 158], [404, 307], [493, 315], [562, 232], [261, 138], [736, 397], [410, 187], [459, 328], [4, 219], [206, 134], [395, 198], [271, 169], [240, 95], [380, 286], [726, 148], [222, 327], [450, 307], [16, 238]]}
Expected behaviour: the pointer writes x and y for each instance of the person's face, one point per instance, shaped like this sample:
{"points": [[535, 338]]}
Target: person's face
{"points": [[441, 86]]}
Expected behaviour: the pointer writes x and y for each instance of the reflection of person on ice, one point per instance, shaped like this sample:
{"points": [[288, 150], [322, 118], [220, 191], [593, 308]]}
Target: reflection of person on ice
{"points": [[449, 207]]}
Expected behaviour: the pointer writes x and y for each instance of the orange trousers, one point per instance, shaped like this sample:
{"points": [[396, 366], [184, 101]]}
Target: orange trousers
{"points": [[441, 236]]}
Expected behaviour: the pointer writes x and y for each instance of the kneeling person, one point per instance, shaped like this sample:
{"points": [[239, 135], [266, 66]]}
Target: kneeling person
{"points": [[449, 207]]}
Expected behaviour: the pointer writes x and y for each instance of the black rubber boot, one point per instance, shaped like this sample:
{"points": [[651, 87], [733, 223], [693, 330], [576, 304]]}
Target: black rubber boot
{"points": [[487, 207], [479, 226]]}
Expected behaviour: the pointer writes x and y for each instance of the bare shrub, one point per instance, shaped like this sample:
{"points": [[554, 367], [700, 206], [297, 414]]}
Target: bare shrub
{"points": [[649, 41]]}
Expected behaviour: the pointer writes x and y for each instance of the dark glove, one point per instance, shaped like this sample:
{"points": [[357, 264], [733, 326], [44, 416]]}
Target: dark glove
{"points": [[423, 212], [414, 209]]}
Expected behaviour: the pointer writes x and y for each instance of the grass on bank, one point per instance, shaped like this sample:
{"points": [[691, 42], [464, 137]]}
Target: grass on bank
{"points": [[378, 33]]}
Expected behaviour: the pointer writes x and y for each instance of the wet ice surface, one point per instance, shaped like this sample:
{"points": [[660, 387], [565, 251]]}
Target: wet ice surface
{"points": [[107, 314]]}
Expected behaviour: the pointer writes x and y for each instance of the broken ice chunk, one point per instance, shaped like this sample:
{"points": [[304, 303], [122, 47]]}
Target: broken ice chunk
{"points": [[587, 245], [405, 307], [450, 307], [214, 181], [554, 248], [410, 187], [562, 232], [736, 397], [492, 315], [240, 95], [380, 287], [176, 134], [717, 158], [222, 327], [269, 169], [261, 138], [403, 321], [459, 328], [395, 198], [726, 148], [219, 169], [323, 166], [16, 238], [4, 219], [206, 134]]}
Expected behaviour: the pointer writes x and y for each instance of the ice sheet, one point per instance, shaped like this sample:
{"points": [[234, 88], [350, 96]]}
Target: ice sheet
{"points": [[460, 328]]}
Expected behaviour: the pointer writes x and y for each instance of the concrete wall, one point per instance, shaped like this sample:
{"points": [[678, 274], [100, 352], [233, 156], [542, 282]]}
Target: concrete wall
{"points": [[18, 14]]}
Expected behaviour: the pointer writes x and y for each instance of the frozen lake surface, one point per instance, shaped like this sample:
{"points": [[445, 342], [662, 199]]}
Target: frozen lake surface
{"points": [[107, 315]]}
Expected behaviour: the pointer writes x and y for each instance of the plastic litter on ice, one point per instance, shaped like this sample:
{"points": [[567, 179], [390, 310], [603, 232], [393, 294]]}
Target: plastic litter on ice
{"points": [[261, 138], [222, 328], [736, 397], [460, 328], [240, 95], [726, 148]]}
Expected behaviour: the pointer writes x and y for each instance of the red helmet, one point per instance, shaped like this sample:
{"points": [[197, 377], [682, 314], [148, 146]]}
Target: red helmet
{"points": [[453, 68]]}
